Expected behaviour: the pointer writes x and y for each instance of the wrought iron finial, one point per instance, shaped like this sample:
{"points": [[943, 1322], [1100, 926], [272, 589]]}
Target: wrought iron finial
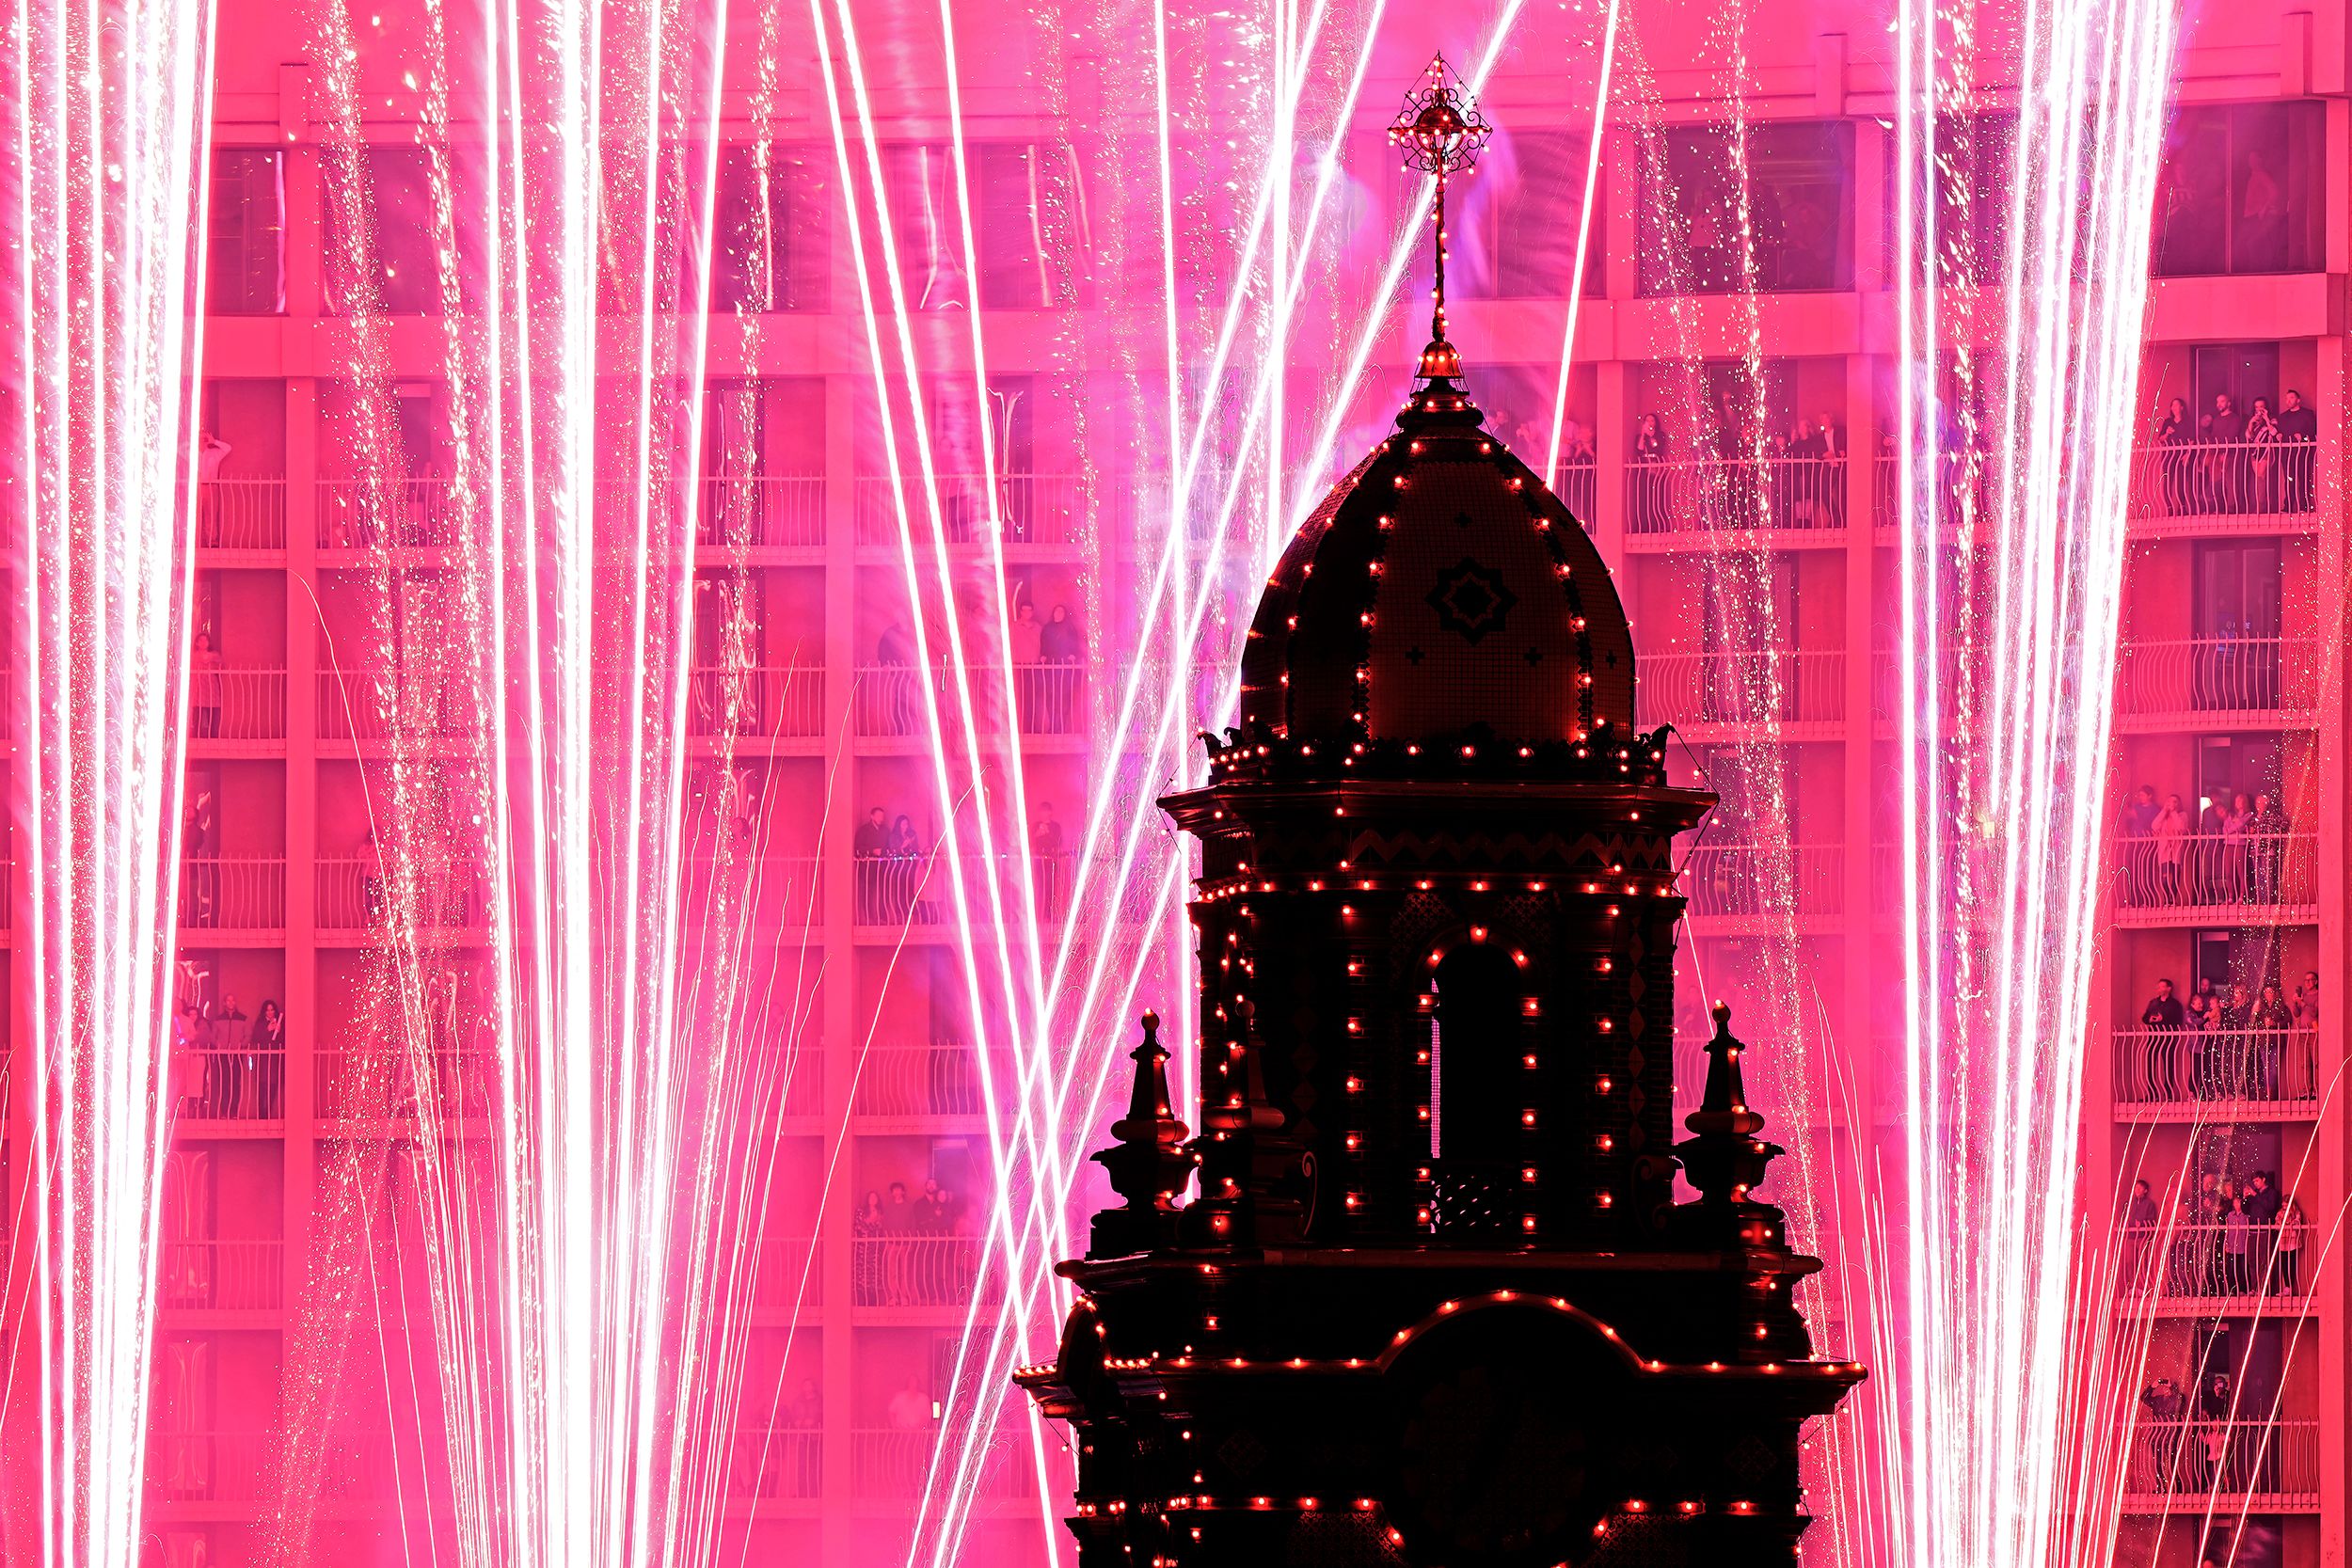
{"points": [[1440, 132]]}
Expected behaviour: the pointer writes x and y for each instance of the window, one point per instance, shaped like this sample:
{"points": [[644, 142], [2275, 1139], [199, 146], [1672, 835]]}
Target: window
{"points": [[1974, 159], [1798, 207], [245, 236], [398, 255], [2239, 191], [1515, 225], [772, 222], [1030, 221]]}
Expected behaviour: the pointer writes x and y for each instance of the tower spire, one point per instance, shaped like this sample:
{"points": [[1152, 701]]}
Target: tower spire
{"points": [[1442, 134]]}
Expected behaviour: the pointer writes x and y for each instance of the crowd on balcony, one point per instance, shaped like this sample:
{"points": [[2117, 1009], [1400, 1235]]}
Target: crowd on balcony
{"points": [[2228, 1045], [892, 863], [1791, 476], [2204, 1442], [224, 1065], [2228, 1237], [2229, 460], [2234, 851], [891, 1264]]}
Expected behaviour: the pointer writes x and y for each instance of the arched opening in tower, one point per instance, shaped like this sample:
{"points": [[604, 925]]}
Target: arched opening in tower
{"points": [[1473, 1063]]}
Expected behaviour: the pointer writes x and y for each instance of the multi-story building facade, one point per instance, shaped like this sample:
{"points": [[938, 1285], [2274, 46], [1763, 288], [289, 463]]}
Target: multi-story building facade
{"points": [[2232, 681]]}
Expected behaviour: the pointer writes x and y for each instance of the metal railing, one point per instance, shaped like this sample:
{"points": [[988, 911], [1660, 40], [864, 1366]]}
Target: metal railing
{"points": [[889, 1462], [367, 1085], [941, 1080], [790, 1277], [1792, 685], [1703, 495], [898, 890], [228, 1083], [2216, 675], [2269, 1459], [1032, 508], [353, 893], [2183, 1067], [2200, 1261], [358, 513], [2218, 478], [1728, 880], [1577, 485], [786, 701], [241, 514], [1960, 478], [784, 889], [218, 1276], [772, 1463], [918, 1271], [233, 892], [763, 511], [1048, 699], [351, 706], [2215, 870], [236, 704], [213, 1466]]}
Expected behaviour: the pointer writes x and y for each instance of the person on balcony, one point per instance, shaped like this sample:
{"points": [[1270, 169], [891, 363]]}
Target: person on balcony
{"points": [[2164, 1010], [866, 1273], [2237, 1250], [2134, 824], [2261, 1204], [2171, 833], [2299, 437], [1045, 861], [1652, 512], [2166, 1406], [204, 687], [2176, 434], [2139, 1229], [2236, 864], [2307, 1000], [210, 453], [2224, 431], [2294, 1230], [2267, 828], [2262, 458], [266, 1045]]}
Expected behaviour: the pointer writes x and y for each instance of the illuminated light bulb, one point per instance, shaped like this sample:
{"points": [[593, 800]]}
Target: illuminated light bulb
{"points": [[1528, 1060], [1527, 1118]]}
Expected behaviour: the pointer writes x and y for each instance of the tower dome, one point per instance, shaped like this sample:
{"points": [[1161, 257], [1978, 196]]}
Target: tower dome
{"points": [[1440, 592]]}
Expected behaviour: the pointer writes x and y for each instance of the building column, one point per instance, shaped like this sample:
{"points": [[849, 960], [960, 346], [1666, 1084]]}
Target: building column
{"points": [[301, 952], [1862, 973], [2333, 843], [843, 1008]]}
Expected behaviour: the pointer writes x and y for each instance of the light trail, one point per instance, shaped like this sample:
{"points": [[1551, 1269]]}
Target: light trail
{"points": [[1584, 236], [108, 118]]}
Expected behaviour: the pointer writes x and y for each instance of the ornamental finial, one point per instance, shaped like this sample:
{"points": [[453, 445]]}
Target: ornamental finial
{"points": [[1442, 134]]}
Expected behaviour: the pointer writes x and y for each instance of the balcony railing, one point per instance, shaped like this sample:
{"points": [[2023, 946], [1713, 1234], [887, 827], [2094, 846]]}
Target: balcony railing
{"points": [[351, 706], [214, 1466], [1578, 486], [893, 1463], [2196, 1261], [891, 699], [359, 514], [921, 1080], [775, 1464], [229, 1084], [2278, 1461], [766, 511], [1705, 495], [898, 889], [218, 1276], [1033, 509], [237, 705], [233, 892], [1792, 686], [2214, 872], [790, 1277], [354, 895], [1960, 478], [2213, 675], [2205, 1066], [784, 889], [785, 702], [918, 1271], [2212, 479], [368, 1085], [241, 514], [1729, 881]]}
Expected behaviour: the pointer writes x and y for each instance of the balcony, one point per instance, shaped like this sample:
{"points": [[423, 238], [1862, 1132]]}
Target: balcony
{"points": [[229, 1084], [389, 1084], [2216, 1075], [2216, 880], [228, 708], [233, 892], [1765, 497], [1032, 508], [408, 513], [1802, 691], [894, 1463], [219, 1277], [1577, 485], [1962, 481], [1731, 886], [355, 898], [2217, 488], [923, 1081], [214, 1466], [244, 514], [920, 1272], [2198, 682], [2188, 1270], [778, 890], [761, 512], [2195, 1466], [788, 1281], [891, 699], [784, 702], [352, 705], [775, 1464]]}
